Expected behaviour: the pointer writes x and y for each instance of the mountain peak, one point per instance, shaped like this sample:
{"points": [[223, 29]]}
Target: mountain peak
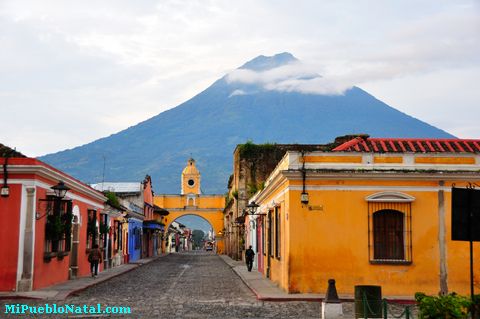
{"points": [[263, 63]]}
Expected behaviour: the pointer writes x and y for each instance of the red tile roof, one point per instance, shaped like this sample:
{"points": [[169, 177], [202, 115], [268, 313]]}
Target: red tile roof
{"points": [[409, 145]]}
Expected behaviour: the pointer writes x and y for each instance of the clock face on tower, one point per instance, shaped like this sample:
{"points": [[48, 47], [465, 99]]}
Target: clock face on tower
{"points": [[191, 182]]}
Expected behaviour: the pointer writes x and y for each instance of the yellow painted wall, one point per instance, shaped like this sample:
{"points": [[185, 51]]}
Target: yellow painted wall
{"points": [[445, 160], [333, 242], [333, 159], [278, 266]]}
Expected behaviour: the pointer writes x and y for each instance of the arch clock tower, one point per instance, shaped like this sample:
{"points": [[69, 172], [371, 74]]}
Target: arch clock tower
{"points": [[190, 179]]}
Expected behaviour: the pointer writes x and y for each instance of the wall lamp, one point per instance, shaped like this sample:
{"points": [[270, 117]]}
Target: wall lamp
{"points": [[304, 198], [60, 191], [251, 209]]}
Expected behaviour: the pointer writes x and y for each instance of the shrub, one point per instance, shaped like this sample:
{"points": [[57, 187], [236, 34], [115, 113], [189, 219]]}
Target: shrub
{"points": [[448, 306]]}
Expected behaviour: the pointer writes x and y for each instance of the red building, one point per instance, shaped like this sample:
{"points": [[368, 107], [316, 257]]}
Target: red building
{"points": [[45, 237]]}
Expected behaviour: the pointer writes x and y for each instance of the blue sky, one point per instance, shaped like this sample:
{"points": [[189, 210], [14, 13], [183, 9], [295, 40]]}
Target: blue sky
{"points": [[75, 71]]}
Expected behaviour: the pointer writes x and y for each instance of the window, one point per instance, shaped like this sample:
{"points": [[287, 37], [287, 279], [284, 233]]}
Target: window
{"points": [[119, 235], [257, 236], [270, 233], [58, 226], [277, 232], [390, 228], [264, 229], [138, 238], [92, 231], [190, 200], [388, 235]]}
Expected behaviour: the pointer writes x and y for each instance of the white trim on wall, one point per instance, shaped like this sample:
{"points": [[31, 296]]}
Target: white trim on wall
{"points": [[36, 183]]}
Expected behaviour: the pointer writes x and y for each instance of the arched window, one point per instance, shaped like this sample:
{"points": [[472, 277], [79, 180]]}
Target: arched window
{"points": [[390, 227], [388, 235]]}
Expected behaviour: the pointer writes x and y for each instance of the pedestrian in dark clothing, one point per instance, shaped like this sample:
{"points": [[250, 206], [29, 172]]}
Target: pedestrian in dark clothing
{"points": [[249, 255], [95, 257]]}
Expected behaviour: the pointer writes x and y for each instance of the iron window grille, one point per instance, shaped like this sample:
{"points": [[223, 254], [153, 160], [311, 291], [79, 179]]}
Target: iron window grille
{"points": [[277, 232], [58, 227], [390, 232], [270, 234], [92, 231]]}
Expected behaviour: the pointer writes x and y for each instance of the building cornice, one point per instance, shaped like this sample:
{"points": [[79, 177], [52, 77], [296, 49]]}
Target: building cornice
{"points": [[53, 174]]}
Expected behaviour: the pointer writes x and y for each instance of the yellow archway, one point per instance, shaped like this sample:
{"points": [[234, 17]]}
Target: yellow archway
{"points": [[209, 207], [214, 218], [192, 202]]}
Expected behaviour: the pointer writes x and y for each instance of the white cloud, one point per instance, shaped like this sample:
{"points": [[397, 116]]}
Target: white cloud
{"points": [[237, 92], [294, 77]]}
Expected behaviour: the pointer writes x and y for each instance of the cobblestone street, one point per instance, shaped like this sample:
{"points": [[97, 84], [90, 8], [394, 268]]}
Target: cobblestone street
{"points": [[186, 285]]}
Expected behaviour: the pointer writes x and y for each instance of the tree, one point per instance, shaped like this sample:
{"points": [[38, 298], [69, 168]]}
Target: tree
{"points": [[197, 237]]}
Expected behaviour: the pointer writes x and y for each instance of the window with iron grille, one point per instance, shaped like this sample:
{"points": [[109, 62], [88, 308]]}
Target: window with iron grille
{"points": [[390, 232], [58, 226], [277, 232], [92, 231], [388, 240], [270, 233], [264, 229]]}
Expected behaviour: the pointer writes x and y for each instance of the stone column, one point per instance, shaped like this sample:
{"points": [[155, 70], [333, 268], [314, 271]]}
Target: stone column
{"points": [[74, 252], [441, 239], [26, 281]]}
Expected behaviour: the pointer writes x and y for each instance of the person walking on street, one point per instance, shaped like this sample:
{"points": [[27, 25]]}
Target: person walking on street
{"points": [[249, 255], [95, 257]]}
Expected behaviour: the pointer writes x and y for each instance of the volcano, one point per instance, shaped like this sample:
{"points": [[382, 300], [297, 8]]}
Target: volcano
{"points": [[265, 100]]}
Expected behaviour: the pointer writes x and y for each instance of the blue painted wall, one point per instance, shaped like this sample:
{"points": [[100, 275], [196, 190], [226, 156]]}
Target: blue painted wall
{"points": [[134, 239]]}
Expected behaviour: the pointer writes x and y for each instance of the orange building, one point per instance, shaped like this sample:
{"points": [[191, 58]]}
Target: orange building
{"points": [[48, 236], [191, 201], [367, 212]]}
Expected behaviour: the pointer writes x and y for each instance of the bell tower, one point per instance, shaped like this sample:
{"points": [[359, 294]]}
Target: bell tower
{"points": [[190, 179]]}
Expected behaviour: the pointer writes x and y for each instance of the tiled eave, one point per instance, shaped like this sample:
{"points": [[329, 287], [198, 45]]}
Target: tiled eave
{"points": [[409, 145]]}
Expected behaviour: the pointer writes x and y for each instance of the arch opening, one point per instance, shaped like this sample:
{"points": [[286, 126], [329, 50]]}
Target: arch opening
{"points": [[190, 231]]}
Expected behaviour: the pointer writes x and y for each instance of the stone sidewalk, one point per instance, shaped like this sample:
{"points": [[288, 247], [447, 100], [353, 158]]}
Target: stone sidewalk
{"points": [[62, 290], [266, 290]]}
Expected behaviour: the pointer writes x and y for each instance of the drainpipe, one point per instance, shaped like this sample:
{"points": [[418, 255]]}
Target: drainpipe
{"points": [[304, 195], [441, 239], [5, 191]]}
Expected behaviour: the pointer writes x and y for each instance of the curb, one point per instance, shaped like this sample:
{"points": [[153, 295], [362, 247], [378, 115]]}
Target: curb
{"points": [[62, 295], [75, 291], [135, 264], [260, 297]]}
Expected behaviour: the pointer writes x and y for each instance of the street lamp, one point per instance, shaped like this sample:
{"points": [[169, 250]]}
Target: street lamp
{"points": [[251, 208], [60, 189]]}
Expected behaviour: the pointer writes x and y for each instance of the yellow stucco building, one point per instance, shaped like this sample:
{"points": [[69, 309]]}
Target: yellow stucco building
{"points": [[192, 202], [368, 212]]}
